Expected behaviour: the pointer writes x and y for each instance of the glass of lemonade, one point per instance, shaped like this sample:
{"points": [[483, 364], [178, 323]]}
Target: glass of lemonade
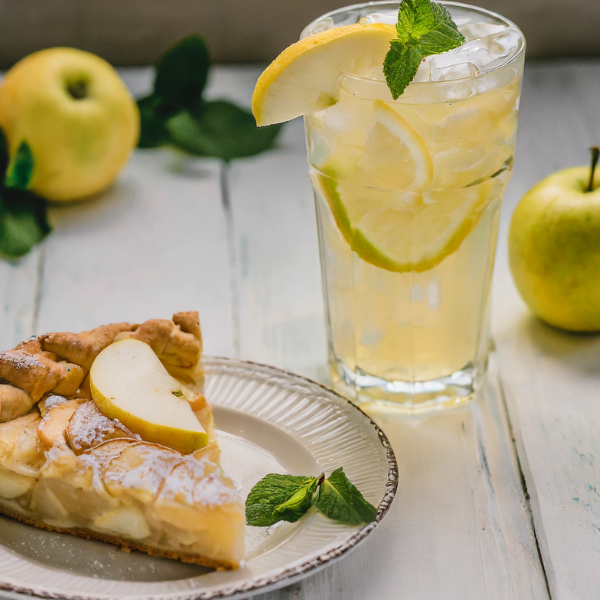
{"points": [[408, 197]]}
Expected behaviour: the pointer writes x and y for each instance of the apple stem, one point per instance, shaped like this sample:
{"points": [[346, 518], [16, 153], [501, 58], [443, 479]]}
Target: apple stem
{"points": [[595, 154]]}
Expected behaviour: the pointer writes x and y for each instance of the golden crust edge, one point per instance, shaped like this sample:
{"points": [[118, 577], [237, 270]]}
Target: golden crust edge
{"points": [[125, 545]]}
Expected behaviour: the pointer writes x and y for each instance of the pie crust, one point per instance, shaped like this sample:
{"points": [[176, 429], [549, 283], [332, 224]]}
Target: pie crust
{"points": [[64, 466]]}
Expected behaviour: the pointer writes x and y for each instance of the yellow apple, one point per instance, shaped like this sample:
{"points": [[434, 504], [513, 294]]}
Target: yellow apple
{"points": [[77, 117], [554, 250], [129, 383]]}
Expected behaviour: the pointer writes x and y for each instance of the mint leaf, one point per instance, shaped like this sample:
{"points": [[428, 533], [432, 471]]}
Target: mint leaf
{"points": [[443, 35], [401, 65], [415, 18], [23, 222], [20, 168], [182, 72], [424, 28], [153, 118], [341, 501], [279, 498], [176, 114], [222, 130], [299, 503], [181, 75]]}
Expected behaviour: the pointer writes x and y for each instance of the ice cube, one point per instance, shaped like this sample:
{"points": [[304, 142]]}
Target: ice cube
{"points": [[465, 61], [475, 52], [460, 21], [433, 294], [319, 147], [375, 73], [424, 72], [417, 293], [337, 119], [388, 16], [454, 72], [502, 45], [474, 31]]}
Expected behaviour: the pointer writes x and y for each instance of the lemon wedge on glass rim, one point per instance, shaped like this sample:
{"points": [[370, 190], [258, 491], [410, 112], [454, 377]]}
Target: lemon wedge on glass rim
{"points": [[304, 78], [378, 194]]}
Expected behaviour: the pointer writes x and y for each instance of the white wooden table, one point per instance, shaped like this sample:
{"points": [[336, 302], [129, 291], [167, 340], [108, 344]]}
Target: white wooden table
{"points": [[497, 501]]}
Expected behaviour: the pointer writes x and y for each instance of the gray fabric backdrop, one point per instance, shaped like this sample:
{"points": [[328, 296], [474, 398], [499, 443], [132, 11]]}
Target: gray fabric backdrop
{"points": [[134, 32]]}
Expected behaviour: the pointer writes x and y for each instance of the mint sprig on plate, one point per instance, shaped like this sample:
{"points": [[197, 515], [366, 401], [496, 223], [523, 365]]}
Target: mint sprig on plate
{"points": [[424, 28], [279, 498], [177, 114], [340, 500], [287, 497]]}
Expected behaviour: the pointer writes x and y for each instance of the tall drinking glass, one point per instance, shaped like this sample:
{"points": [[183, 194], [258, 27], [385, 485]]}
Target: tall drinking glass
{"points": [[408, 197]]}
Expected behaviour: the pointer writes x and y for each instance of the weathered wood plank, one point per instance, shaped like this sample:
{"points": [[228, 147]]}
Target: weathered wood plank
{"points": [[153, 244], [19, 294], [281, 312], [19, 291], [275, 240], [551, 378], [460, 527]]}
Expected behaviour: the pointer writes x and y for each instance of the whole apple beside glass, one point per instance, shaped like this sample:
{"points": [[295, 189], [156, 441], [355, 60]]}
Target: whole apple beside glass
{"points": [[554, 248]]}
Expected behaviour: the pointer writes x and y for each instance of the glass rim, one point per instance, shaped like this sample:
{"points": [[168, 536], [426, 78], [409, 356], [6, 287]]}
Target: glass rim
{"points": [[396, 3]]}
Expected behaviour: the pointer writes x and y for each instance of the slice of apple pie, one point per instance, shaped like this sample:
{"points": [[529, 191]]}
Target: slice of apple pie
{"points": [[106, 434]]}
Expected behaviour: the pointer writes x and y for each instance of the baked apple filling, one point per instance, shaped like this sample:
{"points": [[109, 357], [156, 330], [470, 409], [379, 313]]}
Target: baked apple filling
{"points": [[67, 464]]}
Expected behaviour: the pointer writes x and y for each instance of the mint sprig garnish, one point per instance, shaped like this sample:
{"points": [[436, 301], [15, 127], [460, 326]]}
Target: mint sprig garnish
{"points": [[287, 497], [177, 114], [424, 28]]}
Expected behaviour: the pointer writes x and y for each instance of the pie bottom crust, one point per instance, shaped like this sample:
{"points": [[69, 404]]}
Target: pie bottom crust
{"points": [[124, 544]]}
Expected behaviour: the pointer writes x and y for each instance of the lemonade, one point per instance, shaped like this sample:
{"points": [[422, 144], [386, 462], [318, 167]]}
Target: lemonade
{"points": [[408, 195]]}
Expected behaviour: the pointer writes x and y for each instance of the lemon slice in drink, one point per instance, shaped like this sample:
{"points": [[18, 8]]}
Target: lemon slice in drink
{"points": [[304, 78], [398, 230], [395, 155]]}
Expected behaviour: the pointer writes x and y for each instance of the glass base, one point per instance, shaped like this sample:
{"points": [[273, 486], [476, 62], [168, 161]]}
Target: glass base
{"points": [[375, 394]]}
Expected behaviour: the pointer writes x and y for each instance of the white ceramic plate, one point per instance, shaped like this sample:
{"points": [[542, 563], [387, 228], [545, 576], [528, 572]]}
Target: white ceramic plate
{"points": [[268, 421]]}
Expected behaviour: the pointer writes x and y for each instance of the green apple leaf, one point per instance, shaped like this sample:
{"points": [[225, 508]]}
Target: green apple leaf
{"points": [[3, 152], [23, 222], [222, 130], [176, 114], [182, 72], [153, 131], [20, 168]]}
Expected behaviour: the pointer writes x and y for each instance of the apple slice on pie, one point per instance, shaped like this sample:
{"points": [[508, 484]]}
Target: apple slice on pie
{"points": [[106, 434]]}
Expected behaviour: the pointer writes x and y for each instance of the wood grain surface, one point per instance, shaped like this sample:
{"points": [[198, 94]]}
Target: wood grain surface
{"points": [[551, 378], [473, 519]]}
